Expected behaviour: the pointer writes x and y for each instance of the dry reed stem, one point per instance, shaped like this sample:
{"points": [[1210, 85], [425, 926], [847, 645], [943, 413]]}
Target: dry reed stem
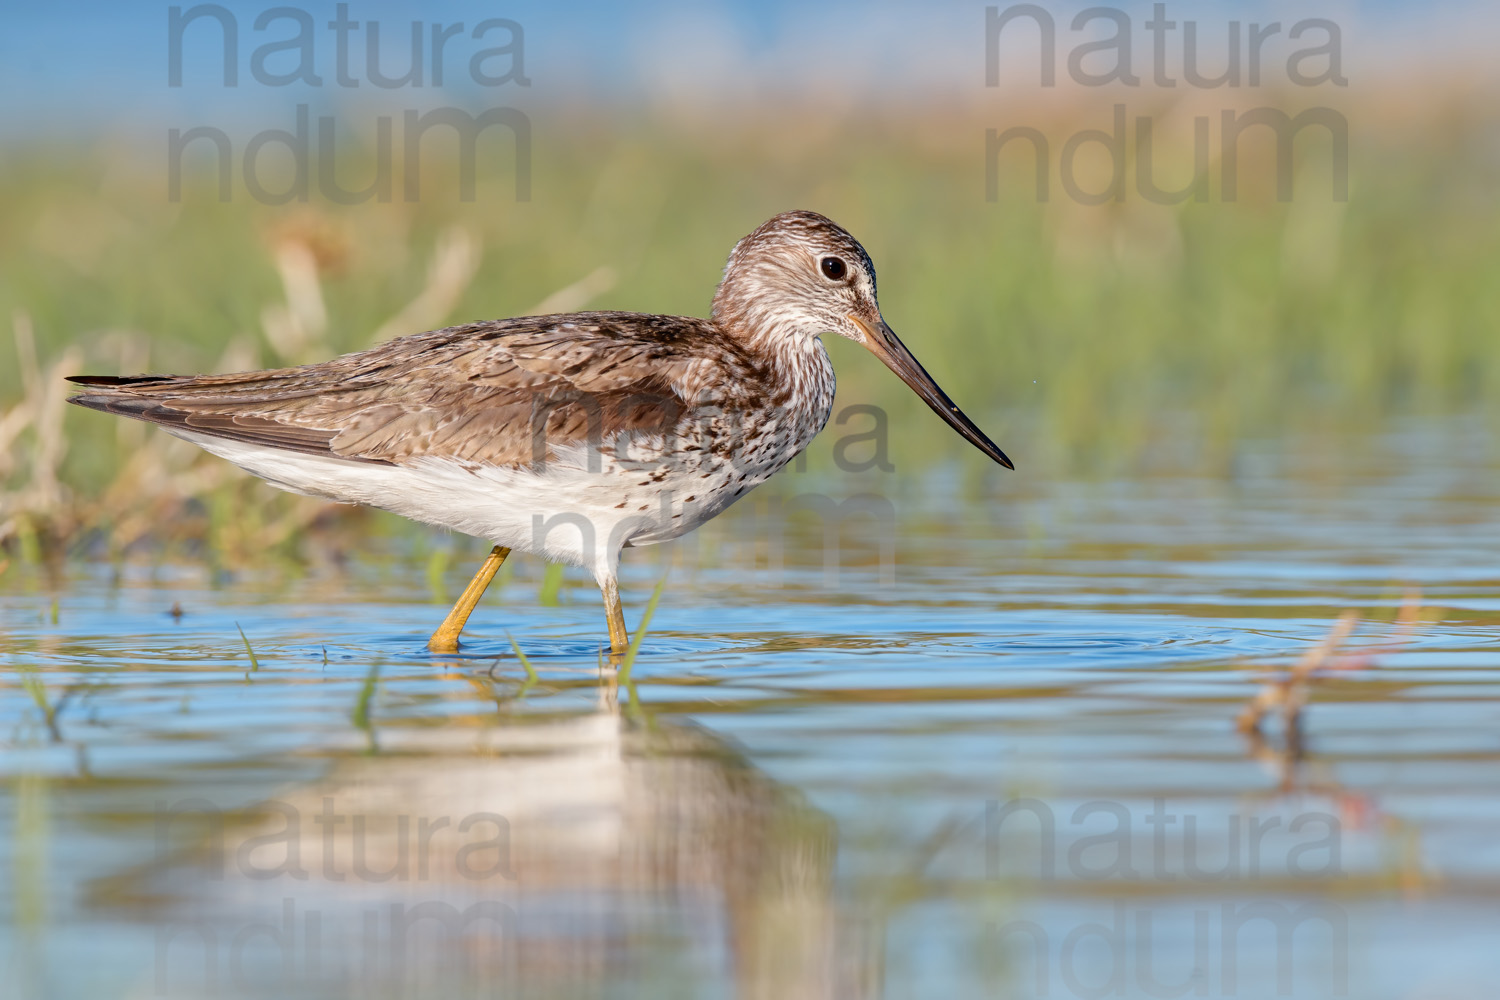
{"points": [[1290, 691], [41, 413], [295, 329], [580, 293], [455, 261], [11, 426], [162, 477]]}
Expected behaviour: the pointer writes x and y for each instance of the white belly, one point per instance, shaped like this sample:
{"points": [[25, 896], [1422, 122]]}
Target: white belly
{"points": [[568, 512]]}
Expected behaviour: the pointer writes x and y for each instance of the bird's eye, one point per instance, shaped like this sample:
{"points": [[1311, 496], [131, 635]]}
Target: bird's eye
{"points": [[833, 268]]}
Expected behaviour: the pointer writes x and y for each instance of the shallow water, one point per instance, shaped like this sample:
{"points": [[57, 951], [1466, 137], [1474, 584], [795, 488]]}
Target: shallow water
{"points": [[997, 759]]}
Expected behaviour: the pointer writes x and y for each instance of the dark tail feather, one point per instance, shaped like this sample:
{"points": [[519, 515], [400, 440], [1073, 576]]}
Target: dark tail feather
{"points": [[112, 380], [246, 428], [129, 406]]}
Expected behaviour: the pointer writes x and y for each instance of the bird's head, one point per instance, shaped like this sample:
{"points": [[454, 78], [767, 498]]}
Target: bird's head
{"points": [[800, 275]]}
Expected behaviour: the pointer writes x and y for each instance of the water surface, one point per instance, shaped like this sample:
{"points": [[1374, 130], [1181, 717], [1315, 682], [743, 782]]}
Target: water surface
{"points": [[987, 750]]}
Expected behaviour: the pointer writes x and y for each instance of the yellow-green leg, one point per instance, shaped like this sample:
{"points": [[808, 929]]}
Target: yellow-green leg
{"points": [[619, 639], [445, 639]]}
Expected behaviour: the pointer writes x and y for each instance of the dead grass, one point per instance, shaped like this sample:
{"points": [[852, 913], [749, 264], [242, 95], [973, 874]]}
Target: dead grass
{"points": [[1291, 690], [165, 490]]}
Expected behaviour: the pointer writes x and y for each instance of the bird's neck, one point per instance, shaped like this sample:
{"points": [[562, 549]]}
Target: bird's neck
{"points": [[799, 379], [765, 325], [804, 380], [772, 327]]}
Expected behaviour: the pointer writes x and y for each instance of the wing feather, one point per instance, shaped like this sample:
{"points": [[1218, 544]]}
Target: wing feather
{"points": [[490, 392]]}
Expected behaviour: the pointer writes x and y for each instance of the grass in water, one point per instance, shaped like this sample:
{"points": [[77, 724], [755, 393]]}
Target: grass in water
{"points": [[531, 677], [361, 714], [29, 860], [254, 663], [640, 632], [38, 692]]}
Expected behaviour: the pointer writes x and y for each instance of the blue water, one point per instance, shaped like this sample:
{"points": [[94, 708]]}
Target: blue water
{"points": [[1005, 763]]}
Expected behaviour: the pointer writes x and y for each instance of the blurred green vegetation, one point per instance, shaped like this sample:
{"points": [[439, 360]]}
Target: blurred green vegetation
{"points": [[1087, 340]]}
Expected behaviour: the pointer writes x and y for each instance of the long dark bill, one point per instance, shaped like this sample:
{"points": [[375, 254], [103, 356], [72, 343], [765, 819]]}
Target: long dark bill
{"points": [[885, 345]]}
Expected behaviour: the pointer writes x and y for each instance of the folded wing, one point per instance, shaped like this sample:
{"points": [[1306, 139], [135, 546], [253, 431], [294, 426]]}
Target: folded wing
{"points": [[507, 392]]}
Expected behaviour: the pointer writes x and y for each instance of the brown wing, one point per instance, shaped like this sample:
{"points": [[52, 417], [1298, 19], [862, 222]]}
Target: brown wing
{"points": [[505, 392]]}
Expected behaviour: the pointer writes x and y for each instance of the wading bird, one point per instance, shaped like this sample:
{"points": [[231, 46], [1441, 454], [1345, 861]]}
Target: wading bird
{"points": [[569, 436]]}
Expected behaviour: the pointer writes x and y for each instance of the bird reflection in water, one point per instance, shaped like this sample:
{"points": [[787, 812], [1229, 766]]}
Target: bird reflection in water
{"points": [[553, 852]]}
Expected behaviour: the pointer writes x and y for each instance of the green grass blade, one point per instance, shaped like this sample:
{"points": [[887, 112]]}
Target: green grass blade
{"points": [[361, 714], [254, 663], [437, 568], [525, 663], [550, 594], [38, 692], [640, 631]]}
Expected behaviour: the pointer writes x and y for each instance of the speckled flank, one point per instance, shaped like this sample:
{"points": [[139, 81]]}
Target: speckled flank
{"points": [[570, 436]]}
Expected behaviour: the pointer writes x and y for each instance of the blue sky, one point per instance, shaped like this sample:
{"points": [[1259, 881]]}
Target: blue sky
{"points": [[76, 65]]}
